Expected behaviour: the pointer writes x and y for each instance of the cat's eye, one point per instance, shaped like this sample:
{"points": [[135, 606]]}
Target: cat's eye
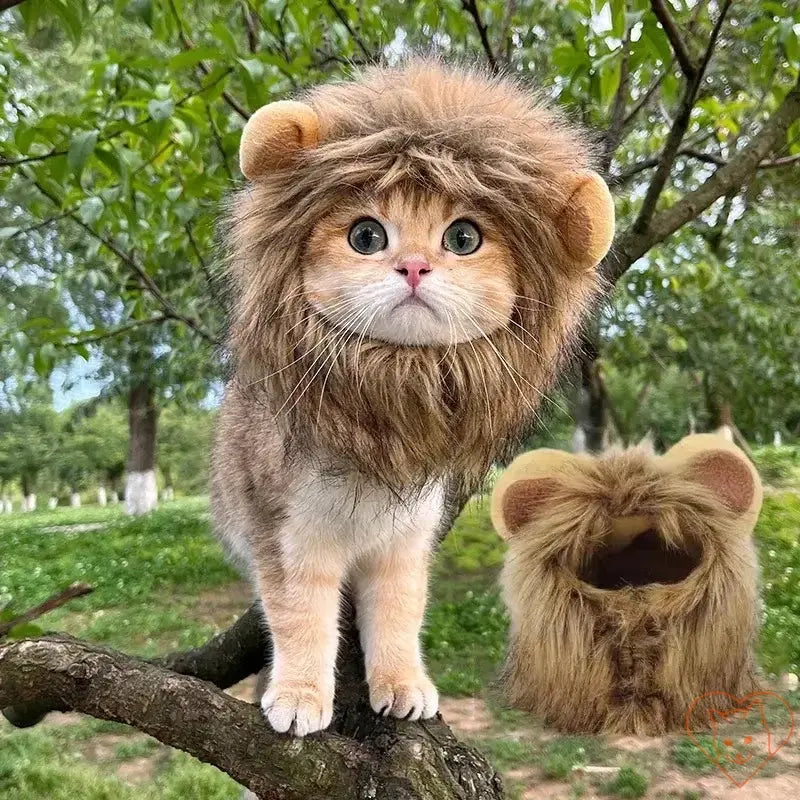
{"points": [[367, 236], [462, 237]]}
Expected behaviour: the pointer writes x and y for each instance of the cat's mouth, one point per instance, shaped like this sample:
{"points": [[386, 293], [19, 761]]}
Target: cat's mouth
{"points": [[635, 554], [415, 301]]}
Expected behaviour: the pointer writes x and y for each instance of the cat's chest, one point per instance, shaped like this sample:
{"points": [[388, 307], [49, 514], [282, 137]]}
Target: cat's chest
{"points": [[349, 516]]}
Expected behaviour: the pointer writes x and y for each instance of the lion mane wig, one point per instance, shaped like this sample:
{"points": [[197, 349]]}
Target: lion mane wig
{"points": [[631, 582], [406, 414]]}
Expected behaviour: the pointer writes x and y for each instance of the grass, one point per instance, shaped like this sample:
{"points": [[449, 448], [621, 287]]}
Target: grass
{"points": [[152, 575], [629, 784]]}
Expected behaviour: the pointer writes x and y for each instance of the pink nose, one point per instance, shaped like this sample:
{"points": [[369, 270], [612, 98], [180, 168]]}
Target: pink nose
{"points": [[413, 270]]}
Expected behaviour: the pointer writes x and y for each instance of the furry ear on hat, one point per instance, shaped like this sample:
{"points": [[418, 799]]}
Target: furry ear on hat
{"points": [[526, 485], [274, 136], [586, 223], [720, 466]]}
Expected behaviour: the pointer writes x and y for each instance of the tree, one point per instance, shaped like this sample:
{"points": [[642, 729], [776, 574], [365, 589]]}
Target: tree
{"points": [[695, 102]]}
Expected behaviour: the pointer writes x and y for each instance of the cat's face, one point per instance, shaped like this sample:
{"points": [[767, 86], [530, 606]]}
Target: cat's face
{"points": [[411, 270]]}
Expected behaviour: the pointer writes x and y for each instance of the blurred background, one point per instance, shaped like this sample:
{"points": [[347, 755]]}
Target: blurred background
{"points": [[119, 130]]}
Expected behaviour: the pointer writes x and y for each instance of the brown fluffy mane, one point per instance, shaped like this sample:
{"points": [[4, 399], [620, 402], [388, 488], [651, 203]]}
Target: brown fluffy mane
{"points": [[631, 659], [404, 414]]}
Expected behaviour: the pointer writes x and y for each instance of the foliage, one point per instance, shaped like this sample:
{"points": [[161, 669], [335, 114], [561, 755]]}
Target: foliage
{"points": [[778, 466], [628, 784], [123, 121], [28, 431], [184, 442]]}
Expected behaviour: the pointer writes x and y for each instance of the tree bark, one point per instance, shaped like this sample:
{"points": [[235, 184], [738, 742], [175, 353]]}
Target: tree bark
{"points": [[141, 494], [592, 410], [362, 756]]}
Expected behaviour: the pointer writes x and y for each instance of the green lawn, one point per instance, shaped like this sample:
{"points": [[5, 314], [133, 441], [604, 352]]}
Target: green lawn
{"points": [[162, 583]]}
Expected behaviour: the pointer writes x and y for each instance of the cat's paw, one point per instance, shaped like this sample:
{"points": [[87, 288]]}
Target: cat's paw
{"points": [[303, 707], [406, 697]]}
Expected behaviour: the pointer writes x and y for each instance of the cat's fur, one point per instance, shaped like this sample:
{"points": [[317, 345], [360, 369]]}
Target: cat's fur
{"points": [[312, 488], [630, 659]]}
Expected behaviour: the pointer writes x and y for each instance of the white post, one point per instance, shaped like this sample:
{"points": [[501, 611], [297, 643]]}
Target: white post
{"points": [[102, 497], [141, 493], [52, 503], [726, 432], [75, 500], [29, 503], [113, 497], [777, 439], [7, 505], [578, 444]]}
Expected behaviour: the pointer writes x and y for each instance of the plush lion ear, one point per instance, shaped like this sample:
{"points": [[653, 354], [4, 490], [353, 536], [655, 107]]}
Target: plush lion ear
{"points": [[720, 466], [524, 489], [586, 223], [275, 135]]}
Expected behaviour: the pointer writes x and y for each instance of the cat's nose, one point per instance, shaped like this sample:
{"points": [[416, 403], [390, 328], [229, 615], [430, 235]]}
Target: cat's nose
{"points": [[413, 270]]}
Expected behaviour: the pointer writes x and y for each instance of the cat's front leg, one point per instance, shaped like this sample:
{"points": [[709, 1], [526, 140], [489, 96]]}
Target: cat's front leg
{"points": [[391, 588], [301, 603]]}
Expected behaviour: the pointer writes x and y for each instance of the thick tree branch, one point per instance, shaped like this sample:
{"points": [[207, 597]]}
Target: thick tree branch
{"points": [[675, 39], [691, 152], [471, 7], [678, 129], [413, 761], [6, 4], [632, 244], [54, 601]]}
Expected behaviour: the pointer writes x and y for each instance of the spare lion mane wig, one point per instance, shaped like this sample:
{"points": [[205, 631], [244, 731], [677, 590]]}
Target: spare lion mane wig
{"points": [[631, 582], [406, 414]]}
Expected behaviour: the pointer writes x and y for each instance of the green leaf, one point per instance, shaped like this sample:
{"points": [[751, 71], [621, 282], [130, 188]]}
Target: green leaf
{"points": [[677, 344], [91, 209], [80, 148], [191, 58], [161, 110], [7, 233]]}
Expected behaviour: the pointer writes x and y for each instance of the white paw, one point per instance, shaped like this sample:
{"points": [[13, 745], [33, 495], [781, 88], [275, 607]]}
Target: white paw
{"points": [[404, 698], [300, 706]]}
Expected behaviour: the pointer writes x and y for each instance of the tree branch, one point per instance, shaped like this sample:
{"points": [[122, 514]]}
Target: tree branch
{"points": [[678, 129], [188, 44], [645, 98], [613, 134], [99, 337], [471, 7], [692, 152], [676, 41], [113, 135], [417, 761], [342, 17], [632, 244], [6, 4], [141, 273], [54, 601]]}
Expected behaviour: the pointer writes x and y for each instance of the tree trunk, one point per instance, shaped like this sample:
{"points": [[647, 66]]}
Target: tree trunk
{"points": [[75, 500], [102, 496], [592, 411], [141, 494], [52, 503]]}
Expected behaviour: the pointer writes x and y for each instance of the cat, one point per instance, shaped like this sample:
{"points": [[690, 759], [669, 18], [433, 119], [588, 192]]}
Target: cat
{"points": [[411, 261]]}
